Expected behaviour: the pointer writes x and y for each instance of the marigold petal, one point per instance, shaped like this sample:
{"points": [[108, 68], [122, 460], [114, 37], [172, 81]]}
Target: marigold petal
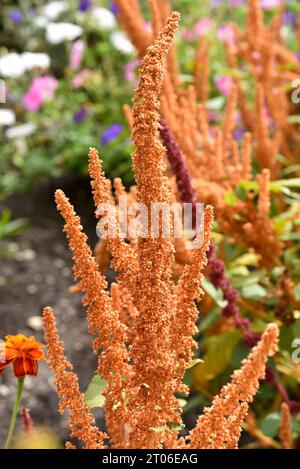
{"points": [[3, 365], [35, 354], [19, 367], [25, 366], [31, 366]]}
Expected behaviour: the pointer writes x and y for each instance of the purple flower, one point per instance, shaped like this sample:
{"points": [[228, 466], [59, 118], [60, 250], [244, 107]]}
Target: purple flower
{"points": [[289, 18], [84, 5], [112, 132], [80, 115], [216, 3], [114, 8], [239, 132], [16, 16]]}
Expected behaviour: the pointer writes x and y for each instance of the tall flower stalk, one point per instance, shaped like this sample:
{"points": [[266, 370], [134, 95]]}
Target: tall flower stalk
{"points": [[144, 325], [15, 412]]}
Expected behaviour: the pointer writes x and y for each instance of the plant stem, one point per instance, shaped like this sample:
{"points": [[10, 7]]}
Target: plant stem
{"points": [[15, 412]]}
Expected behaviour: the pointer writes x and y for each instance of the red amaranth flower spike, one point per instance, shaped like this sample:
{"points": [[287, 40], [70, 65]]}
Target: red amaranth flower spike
{"points": [[27, 421]]}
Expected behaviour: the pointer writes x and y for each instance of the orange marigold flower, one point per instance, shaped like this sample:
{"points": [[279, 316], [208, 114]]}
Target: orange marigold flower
{"points": [[23, 352]]}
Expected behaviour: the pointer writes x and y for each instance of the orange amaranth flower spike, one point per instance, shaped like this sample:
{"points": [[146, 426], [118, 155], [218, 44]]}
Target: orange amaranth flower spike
{"points": [[81, 420], [23, 352], [219, 426], [285, 430]]}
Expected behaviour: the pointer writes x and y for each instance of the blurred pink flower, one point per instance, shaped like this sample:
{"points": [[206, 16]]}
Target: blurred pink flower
{"points": [[226, 34], [76, 54], [224, 84], [213, 116], [148, 26], [80, 78], [187, 34], [41, 89], [129, 69], [202, 27], [270, 3], [236, 3]]}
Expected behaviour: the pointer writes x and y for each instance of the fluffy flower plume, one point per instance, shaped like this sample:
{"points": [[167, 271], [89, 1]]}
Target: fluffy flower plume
{"points": [[219, 426], [145, 323], [285, 430], [81, 421], [150, 352], [103, 320]]}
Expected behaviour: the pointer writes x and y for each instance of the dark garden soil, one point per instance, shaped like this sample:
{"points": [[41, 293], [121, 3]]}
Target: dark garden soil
{"points": [[35, 272]]}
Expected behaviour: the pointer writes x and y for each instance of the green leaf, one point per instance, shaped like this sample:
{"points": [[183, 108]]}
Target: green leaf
{"points": [[239, 271], [246, 259], [290, 237], [217, 358], [241, 193], [194, 362], [297, 291], [215, 294], [157, 429], [294, 119], [292, 182], [230, 198], [93, 396], [253, 291], [9, 227], [251, 279], [248, 185], [182, 402], [174, 426], [277, 271], [195, 401], [270, 424], [291, 169], [209, 319], [215, 104]]}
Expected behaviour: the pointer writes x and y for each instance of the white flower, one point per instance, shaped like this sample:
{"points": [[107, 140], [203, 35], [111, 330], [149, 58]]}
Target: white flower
{"points": [[35, 59], [120, 42], [11, 65], [40, 21], [104, 18], [15, 65], [21, 131], [58, 32], [7, 117], [54, 9]]}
